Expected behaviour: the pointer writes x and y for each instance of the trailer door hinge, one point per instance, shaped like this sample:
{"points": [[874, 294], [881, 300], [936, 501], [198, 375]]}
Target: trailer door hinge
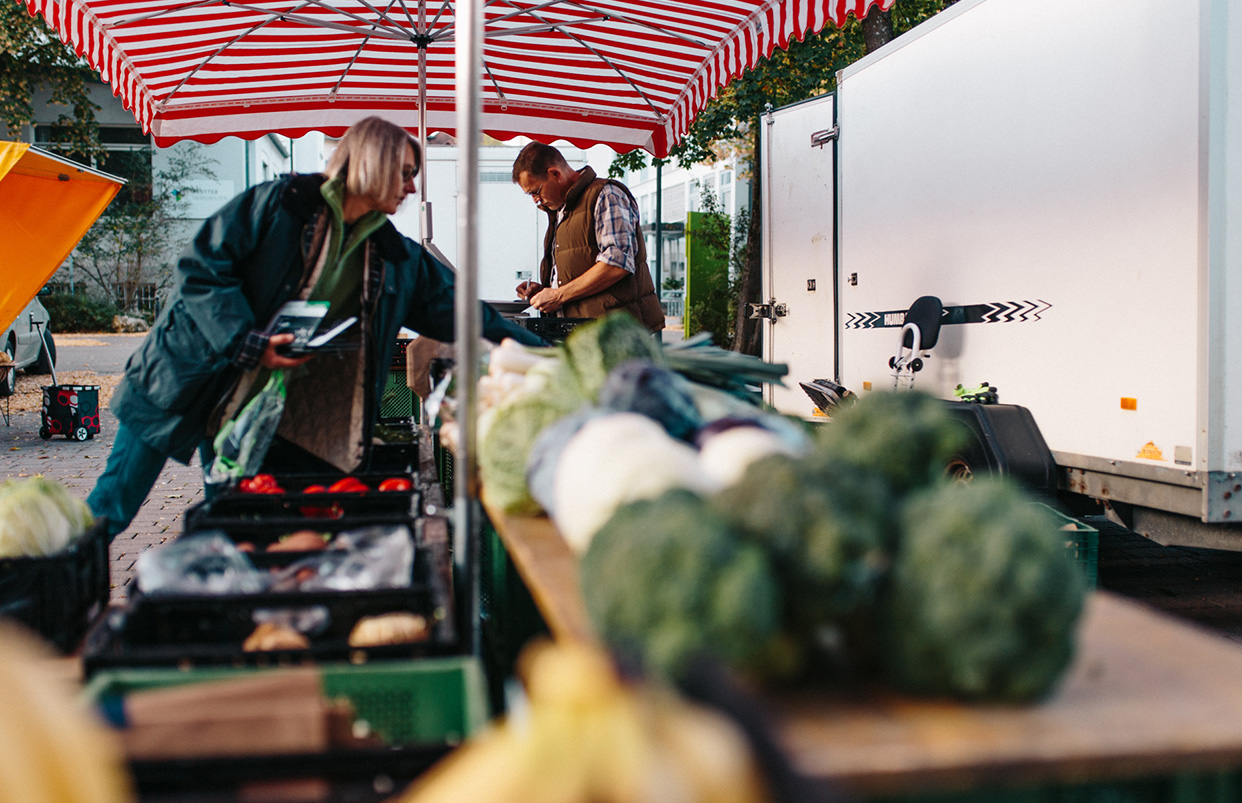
{"points": [[821, 138], [771, 310]]}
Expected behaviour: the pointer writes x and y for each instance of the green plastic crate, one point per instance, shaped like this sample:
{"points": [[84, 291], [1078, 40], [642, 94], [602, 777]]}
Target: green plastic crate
{"points": [[428, 701], [1082, 541], [398, 400]]}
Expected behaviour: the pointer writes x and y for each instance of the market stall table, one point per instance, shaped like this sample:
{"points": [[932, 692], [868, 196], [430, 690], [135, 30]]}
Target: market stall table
{"points": [[1146, 697]]}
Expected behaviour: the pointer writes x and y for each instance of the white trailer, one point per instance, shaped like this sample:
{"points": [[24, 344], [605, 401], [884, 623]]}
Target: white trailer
{"points": [[1066, 177]]}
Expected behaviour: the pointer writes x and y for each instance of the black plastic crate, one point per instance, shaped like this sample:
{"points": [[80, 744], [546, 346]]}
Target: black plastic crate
{"points": [[70, 410], [295, 509], [553, 330], [58, 596], [394, 458], [208, 629], [344, 776]]}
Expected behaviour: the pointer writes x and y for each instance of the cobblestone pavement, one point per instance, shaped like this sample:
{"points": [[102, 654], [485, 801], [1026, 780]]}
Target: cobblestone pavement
{"points": [[76, 466]]}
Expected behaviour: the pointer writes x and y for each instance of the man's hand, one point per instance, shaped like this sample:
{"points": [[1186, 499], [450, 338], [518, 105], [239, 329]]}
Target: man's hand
{"points": [[272, 360], [549, 299], [527, 289]]}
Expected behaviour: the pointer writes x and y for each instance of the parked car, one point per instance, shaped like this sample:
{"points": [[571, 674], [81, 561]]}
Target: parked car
{"points": [[29, 345]]}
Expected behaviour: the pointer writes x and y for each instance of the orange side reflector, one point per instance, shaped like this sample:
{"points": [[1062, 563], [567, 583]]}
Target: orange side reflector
{"points": [[1128, 403], [866, 386]]}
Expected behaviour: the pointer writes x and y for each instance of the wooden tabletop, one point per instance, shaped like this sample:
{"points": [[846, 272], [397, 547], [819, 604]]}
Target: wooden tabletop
{"points": [[1146, 695]]}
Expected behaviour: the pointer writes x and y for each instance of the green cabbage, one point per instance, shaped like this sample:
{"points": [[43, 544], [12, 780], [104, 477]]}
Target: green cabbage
{"points": [[39, 517], [505, 447], [596, 347]]}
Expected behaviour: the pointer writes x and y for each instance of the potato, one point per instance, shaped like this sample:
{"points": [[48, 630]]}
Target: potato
{"points": [[389, 628], [300, 541], [269, 636]]}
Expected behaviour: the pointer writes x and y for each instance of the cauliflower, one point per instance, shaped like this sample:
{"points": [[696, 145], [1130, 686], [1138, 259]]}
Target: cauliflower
{"points": [[614, 459]]}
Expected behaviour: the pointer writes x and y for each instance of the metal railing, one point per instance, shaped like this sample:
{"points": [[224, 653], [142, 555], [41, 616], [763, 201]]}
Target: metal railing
{"points": [[673, 303]]}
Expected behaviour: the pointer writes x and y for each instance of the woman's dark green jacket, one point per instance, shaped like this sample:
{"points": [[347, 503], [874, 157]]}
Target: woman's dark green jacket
{"points": [[245, 262]]}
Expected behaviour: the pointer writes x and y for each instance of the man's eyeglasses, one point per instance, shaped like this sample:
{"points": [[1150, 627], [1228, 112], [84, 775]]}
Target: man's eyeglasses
{"points": [[537, 192]]}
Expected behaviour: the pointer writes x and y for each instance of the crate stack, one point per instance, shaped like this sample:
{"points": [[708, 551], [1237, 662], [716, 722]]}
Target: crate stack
{"points": [[386, 708]]}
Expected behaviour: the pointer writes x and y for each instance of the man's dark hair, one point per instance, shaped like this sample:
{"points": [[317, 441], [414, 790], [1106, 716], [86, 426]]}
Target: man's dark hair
{"points": [[535, 159]]}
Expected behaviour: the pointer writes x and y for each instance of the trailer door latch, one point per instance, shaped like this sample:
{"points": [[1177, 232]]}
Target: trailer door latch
{"points": [[821, 138], [771, 310]]}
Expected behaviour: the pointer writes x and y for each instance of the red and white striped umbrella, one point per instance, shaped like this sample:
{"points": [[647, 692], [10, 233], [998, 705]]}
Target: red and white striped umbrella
{"points": [[626, 73]]}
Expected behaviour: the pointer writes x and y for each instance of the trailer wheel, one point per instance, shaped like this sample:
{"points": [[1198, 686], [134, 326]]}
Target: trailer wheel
{"points": [[79, 434], [45, 433]]}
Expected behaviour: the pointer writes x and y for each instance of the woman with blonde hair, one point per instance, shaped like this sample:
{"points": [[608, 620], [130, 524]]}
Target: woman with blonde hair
{"points": [[322, 238]]}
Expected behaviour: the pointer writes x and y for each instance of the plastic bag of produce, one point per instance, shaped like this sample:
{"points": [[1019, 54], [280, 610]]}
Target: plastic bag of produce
{"points": [[367, 558], [243, 442], [198, 563]]}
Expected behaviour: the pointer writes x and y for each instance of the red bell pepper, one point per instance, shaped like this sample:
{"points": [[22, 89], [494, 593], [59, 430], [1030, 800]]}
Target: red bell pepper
{"points": [[348, 485], [396, 484]]}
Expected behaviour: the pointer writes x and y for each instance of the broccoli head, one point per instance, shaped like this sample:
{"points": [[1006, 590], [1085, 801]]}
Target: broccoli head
{"points": [[908, 438], [983, 599], [825, 524], [667, 579]]}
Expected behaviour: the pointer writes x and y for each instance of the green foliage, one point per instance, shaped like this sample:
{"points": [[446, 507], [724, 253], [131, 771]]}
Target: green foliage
{"points": [[668, 580], [79, 313], [135, 240], [714, 308], [984, 597], [806, 69], [32, 57]]}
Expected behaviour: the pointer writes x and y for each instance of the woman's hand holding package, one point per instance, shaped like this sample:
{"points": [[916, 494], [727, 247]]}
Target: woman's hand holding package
{"points": [[273, 359]]}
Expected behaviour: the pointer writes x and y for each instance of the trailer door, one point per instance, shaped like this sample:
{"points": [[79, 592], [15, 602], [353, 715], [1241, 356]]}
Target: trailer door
{"points": [[799, 251]]}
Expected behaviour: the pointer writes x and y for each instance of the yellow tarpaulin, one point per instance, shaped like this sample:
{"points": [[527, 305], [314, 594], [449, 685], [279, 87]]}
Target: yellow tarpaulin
{"points": [[46, 204]]}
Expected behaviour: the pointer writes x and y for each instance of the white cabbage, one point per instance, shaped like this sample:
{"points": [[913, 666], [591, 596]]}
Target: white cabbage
{"points": [[39, 517]]}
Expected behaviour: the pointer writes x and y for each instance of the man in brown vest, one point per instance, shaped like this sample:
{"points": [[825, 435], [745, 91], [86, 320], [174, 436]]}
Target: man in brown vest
{"points": [[594, 257]]}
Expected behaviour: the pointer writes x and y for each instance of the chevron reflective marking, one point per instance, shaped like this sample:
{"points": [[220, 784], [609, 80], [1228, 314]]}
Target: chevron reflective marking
{"points": [[990, 312]]}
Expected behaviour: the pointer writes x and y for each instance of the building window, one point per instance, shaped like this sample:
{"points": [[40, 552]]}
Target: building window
{"points": [[127, 155]]}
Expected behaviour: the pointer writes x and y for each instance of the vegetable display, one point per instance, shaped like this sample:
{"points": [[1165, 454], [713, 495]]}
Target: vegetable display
{"points": [[609, 365], [874, 561], [707, 524]]}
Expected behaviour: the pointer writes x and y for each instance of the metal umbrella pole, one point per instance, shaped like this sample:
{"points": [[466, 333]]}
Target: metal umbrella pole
{"points": [[466, 516], [424, 206]]}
